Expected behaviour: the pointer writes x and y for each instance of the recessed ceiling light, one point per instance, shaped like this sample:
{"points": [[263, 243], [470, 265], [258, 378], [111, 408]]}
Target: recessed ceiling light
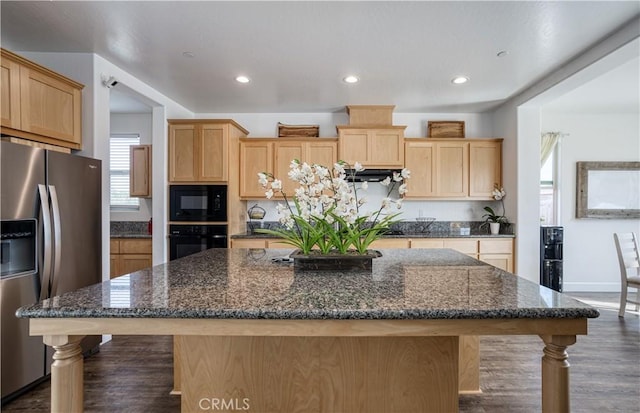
{"points": [[351, 79], [458, 80], [242, 79], [502, 53], [190, 55]]}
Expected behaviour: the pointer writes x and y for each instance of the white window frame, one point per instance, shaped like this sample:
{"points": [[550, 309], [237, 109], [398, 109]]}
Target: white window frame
{"points": [[119, 167]]}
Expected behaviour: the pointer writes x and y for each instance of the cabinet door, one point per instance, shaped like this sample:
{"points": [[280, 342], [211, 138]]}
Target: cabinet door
{"points": [[213, 148], [419, 160], [452, 169], [286, 152], [114, 266], [182, 153], [353, 146], [140, 169], [322, 153], [485, 160], [386, 148], [255, 157], [10, 90], [134, 262], [50, 107], [502, 261]]}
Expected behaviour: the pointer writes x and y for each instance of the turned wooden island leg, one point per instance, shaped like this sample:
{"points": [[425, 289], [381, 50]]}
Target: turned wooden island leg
{"points": [[555, 374], [66, 373]]}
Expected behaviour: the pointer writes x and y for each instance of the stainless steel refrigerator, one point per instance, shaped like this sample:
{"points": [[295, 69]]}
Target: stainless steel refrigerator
{"points": [[50, 210]]}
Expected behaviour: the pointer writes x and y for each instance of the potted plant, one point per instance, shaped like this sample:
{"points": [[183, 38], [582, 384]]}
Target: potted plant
{"points": [[326, 217], [491, 218]]}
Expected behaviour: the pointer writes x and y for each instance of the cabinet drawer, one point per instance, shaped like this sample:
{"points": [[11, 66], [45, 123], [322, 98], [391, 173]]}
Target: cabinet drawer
{"points": [[135, 246], [248, 243], [390, 243], [278, 244], [427, 243], [467, 246], [496, 246]]}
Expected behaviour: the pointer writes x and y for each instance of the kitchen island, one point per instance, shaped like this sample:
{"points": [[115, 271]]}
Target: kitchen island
{"points": [[255, 335]]}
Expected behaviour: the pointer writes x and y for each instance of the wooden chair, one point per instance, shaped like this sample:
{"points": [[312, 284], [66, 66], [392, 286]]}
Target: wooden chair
{"points": [[629, 259]]}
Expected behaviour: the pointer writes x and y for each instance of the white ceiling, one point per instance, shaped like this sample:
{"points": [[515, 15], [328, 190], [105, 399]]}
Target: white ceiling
{"points": [[617, 91], [296, 53]]}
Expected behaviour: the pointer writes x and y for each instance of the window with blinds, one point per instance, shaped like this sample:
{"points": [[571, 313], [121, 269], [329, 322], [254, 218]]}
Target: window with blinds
{"points": [[119, 146]]}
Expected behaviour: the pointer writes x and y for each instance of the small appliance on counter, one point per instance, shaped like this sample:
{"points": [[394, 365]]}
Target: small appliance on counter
{"points": [[255, 212]]}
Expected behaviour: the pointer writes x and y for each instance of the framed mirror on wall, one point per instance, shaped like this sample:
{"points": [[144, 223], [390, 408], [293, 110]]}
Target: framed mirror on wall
{"points": [[608, 190]]}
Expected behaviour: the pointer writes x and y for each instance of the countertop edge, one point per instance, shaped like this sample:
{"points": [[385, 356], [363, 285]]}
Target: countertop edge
{"points": [[437, 314]]}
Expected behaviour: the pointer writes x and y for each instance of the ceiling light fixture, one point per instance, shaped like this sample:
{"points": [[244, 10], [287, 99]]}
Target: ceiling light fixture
{"points": [[458, 80], [242, 79], [351, 79]]}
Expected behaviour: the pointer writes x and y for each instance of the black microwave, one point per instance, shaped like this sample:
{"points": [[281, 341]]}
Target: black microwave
{"points": [[198, 203]]}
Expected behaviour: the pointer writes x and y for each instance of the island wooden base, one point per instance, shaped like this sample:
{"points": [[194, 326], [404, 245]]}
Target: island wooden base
{"points": [[319, 374], [272, 336]]}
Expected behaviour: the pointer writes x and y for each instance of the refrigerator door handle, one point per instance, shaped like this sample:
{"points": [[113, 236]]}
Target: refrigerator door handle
{"points": [[57, 237], [45, 278]]}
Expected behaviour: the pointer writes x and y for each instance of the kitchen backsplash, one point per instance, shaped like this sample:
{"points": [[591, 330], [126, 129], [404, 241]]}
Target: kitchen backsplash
{"points": [[129, 227], [412, 227]]}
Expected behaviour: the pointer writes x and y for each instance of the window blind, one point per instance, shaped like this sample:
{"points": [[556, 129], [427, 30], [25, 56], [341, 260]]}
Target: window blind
{"points": [[119, 146]]}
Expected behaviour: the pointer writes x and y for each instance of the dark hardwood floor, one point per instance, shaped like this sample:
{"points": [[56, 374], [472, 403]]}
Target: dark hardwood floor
{"points": [[134, 373]]}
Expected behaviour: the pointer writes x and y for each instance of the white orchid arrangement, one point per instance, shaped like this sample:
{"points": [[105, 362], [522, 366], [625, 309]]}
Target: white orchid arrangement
{"points": [[498, 194], [327, 211]]}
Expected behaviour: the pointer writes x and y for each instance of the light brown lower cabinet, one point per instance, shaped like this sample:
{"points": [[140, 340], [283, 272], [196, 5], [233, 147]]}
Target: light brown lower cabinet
{"points": [[495, 251], [248, 243], [129, 255]]}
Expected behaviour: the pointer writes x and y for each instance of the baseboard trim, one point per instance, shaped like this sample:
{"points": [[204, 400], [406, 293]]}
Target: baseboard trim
{"points": [[591, 287]]}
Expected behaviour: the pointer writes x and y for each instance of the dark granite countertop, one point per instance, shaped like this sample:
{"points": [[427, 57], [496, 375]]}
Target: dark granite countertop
{"points": [[129, 235], [247, 284]]}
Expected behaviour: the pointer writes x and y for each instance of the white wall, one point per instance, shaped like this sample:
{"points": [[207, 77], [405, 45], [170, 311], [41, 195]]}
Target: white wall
{"points": [[518, 122], [89, 69], [590, 260], [476, 125], [134, 123], [265, 125]]}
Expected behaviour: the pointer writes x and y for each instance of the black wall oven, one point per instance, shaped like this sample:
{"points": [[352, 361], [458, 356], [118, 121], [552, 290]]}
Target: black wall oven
{"points": [[189, 239], [203, 203]]}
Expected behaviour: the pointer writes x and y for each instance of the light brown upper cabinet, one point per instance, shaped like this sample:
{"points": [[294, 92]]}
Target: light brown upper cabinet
{"points": [[39, 104], [256, 155], [140, 169], [10, 93], [485, 168], [372, 147], [419, 159], [275, 156], [453, 168], [199, 149], [316, 151]]}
